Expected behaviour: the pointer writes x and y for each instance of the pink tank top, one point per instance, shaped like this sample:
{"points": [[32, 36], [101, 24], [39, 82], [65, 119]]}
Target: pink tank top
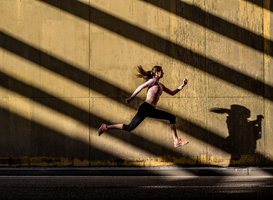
{"points": [[154, 89]]}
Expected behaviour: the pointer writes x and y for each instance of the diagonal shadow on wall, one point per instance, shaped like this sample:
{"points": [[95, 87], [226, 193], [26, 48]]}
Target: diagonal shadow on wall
{"points": [[74, 112], [34, 55], [59, 70], [166, 47], [209, 21]]}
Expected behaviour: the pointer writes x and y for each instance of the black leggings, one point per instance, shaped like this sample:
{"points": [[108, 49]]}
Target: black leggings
{"points": [[147, 110]]}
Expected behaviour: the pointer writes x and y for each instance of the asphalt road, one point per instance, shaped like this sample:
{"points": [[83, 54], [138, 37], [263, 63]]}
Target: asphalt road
{"points": [[136, 187]]}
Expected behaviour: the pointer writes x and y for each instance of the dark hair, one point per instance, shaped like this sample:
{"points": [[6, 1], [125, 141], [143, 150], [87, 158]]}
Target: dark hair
{"points": [[147, 74]]}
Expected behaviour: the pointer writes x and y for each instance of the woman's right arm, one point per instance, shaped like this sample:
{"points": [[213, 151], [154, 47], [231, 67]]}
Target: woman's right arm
{"points": [[141, 87]]}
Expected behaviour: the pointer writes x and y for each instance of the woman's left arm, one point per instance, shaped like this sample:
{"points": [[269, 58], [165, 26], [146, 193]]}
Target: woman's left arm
{"points": [[170, 92]]}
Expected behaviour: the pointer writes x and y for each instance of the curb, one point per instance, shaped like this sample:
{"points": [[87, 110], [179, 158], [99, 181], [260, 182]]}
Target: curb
{"points": [[133, 171]]}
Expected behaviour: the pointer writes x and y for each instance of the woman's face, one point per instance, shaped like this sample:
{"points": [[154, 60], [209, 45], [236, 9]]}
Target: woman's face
{"points": [[159, 74]]}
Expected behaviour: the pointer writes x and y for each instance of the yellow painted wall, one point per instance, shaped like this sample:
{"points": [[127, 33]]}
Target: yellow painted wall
{"points": [[67, 66]]}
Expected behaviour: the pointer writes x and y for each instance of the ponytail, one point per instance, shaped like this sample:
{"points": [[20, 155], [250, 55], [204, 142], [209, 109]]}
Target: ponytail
{"points": [[147, 74]]}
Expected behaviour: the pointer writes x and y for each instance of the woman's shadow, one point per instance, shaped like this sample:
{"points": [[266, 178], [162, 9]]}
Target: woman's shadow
{"points": [[243, 133]]}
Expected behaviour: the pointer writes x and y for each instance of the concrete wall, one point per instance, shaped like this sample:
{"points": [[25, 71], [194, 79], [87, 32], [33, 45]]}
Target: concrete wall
{"points": [[67, 66]]}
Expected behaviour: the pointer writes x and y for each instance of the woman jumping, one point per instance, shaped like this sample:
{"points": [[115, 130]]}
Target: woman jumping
{"points": [[148, 108]]}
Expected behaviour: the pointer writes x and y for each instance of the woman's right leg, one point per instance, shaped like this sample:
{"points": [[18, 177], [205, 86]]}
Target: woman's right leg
{"points": [[105, 127], [133, 124], [115, 126]]}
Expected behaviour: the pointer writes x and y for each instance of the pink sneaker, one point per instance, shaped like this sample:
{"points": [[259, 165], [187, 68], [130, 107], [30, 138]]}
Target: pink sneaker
{"points": [[102, 129], [180, 143]]}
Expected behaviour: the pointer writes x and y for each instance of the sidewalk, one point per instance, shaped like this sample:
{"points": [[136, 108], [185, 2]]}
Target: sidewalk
{"points": [[134, 171]]}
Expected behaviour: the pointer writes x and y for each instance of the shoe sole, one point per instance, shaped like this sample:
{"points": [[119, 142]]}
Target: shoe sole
{"points": [[181, 144], [99, 130]]}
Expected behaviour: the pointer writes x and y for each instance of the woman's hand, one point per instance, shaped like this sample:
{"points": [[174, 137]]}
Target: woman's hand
{"points": [[128, 100], [185, 81]]}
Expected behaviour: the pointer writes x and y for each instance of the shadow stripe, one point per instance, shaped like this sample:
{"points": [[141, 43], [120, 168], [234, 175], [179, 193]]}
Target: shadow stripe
{"points": [[166, 47], [216, 24], [33, 54]]}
